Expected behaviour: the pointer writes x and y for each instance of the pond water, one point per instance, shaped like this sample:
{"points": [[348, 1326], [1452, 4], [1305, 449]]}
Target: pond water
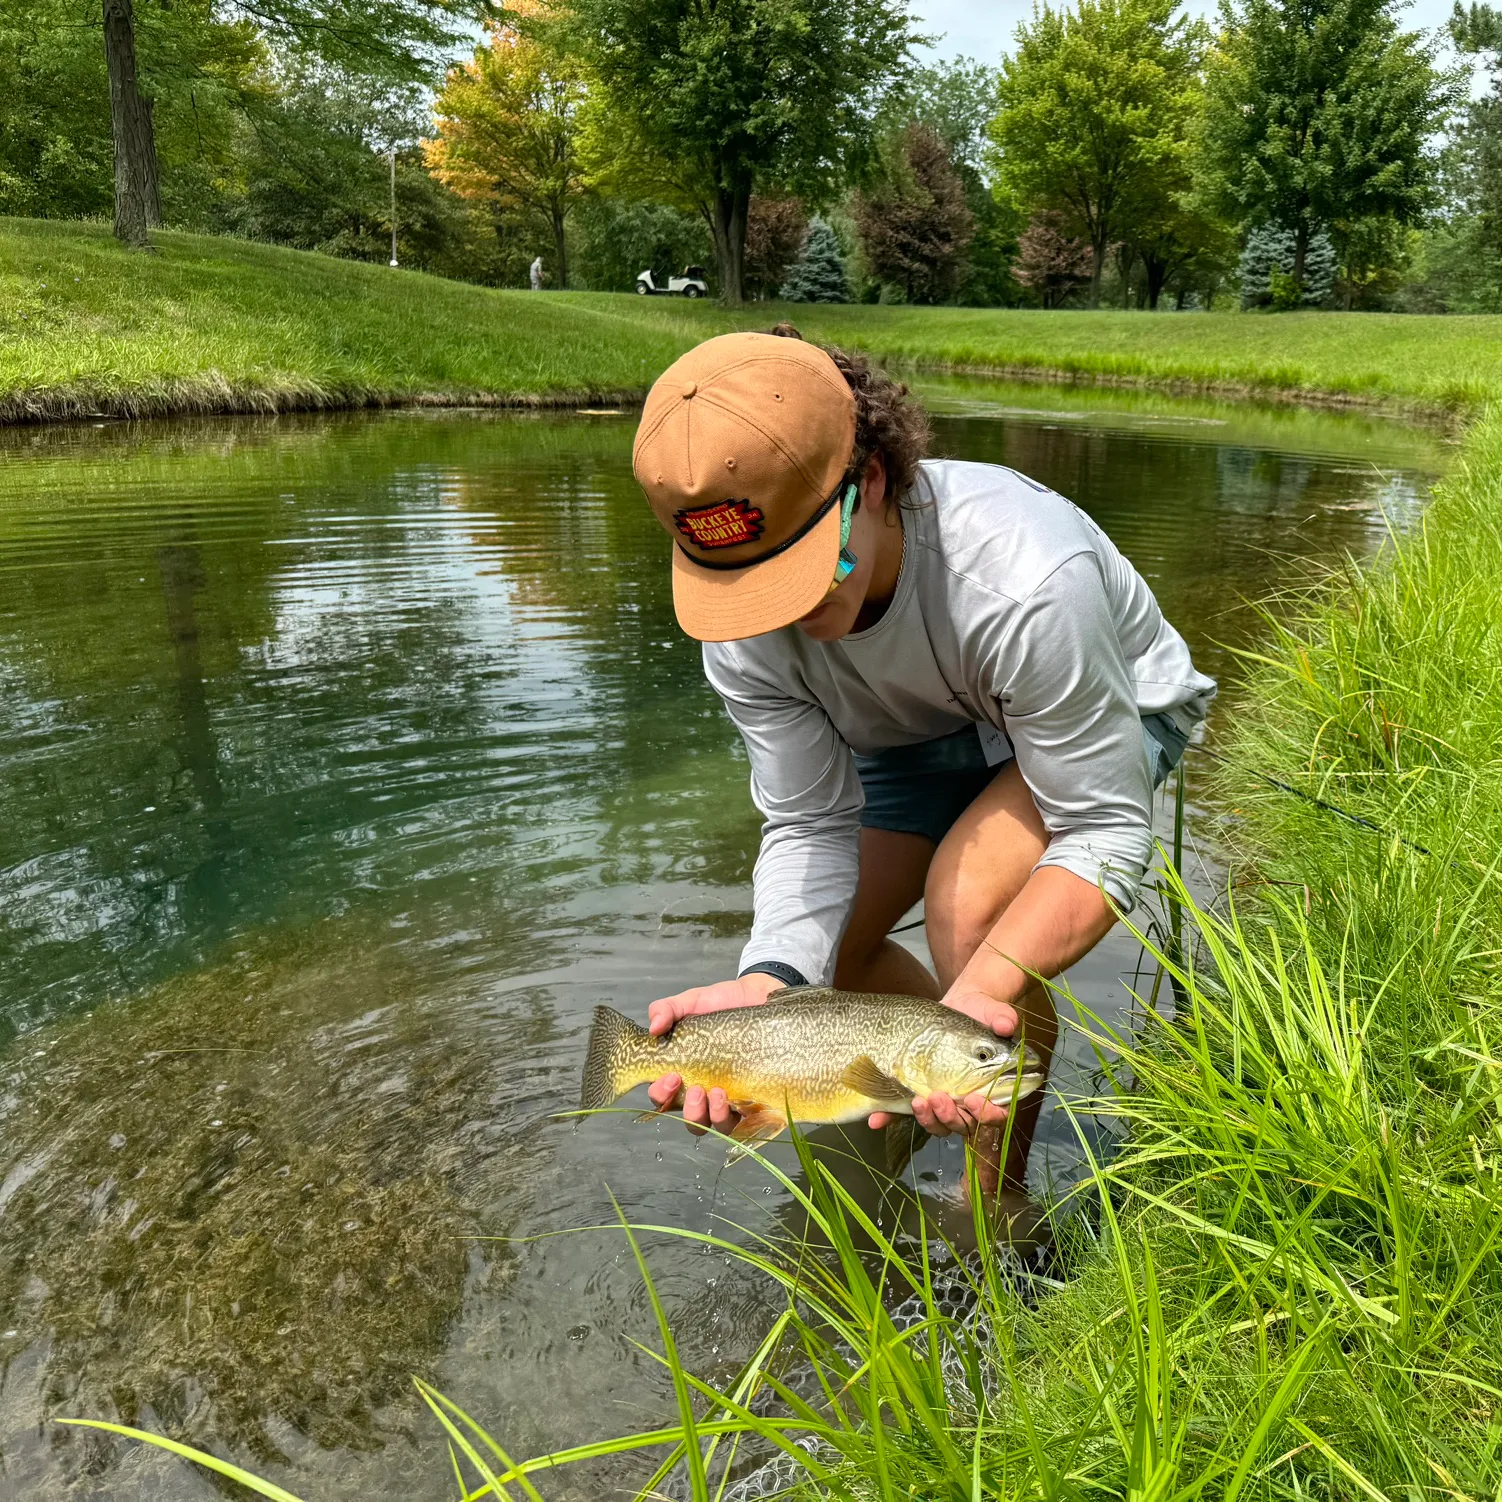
{"points": [[349, 762]]}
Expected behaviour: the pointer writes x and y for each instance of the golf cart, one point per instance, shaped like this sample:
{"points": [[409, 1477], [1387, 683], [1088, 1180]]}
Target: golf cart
{"points": [[693, 283]]}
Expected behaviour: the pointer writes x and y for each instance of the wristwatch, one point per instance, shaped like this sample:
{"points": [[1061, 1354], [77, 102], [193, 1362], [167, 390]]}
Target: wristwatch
{"points": [[777, 970]]}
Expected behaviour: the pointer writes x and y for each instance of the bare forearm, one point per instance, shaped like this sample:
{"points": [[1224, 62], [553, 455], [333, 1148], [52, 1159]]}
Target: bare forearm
{"points": [[1055, 919]]}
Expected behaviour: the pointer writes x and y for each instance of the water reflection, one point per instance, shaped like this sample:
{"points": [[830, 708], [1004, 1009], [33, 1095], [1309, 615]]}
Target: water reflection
{"points": [[350, 762]]}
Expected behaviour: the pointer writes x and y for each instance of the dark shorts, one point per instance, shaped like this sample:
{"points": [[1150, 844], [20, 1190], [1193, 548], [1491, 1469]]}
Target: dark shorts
{"points": [[923, 789]]}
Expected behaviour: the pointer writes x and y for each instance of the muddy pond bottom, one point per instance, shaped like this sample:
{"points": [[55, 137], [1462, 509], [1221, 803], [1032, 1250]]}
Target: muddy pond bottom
{"points": [[349, 762]]}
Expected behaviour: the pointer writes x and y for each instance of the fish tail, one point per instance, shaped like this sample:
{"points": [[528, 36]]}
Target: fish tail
{"points": [[617, 1059]]}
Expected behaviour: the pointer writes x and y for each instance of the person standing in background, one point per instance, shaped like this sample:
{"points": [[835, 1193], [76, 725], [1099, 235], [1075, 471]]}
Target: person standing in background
{"points": [[537, 275]]}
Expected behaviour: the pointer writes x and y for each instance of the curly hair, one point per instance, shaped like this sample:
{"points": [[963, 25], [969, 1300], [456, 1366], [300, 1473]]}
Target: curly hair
{"points": [[888, 419]]}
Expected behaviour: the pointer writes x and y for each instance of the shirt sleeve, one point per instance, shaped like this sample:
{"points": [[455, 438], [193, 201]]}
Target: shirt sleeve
{"points": [[1070, 709], [803, 780]]}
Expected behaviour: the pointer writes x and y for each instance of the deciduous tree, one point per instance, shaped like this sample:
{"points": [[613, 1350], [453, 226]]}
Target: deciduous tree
{"points": [[377, 38], [1093, 106], [1321, 111], [508, 126], [915, 225], [1051, 261], [718, 97], [775, 230]]}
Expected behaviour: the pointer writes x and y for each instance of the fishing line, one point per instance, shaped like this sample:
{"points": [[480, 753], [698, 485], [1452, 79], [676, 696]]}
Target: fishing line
{"points": [[1329, 808], [1274, 782]]}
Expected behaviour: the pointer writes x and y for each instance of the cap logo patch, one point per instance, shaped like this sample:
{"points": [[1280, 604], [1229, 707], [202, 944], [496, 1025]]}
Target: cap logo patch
{"points": [[724, 524]]}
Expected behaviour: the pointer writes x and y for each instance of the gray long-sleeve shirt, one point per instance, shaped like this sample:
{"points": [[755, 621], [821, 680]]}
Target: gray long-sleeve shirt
{"points": [[1012, 609]]}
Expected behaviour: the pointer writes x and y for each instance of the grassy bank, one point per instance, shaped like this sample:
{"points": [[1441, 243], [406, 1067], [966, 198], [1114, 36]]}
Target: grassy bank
{"points": [[217, 325]]}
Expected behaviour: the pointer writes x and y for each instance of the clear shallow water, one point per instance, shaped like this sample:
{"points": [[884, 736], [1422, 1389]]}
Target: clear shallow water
{"points": [[349, 763]]}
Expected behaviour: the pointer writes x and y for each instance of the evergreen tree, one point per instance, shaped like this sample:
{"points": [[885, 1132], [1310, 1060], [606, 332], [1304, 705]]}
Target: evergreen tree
{"points": [[818, 275], [1268, 269]]}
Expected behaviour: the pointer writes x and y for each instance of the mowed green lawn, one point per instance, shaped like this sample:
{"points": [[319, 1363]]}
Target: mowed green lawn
{"points": [[217, 324]]}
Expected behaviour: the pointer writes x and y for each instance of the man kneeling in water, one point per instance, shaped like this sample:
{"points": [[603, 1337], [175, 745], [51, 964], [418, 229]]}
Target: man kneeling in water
{"points": [[950, 683]]}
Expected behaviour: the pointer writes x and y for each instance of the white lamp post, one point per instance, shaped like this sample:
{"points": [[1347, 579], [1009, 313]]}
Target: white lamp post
{"points": [[393, 205]]}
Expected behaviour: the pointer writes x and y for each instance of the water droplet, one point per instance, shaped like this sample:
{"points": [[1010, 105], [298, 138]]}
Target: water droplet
{"points": [[578, 1332]]}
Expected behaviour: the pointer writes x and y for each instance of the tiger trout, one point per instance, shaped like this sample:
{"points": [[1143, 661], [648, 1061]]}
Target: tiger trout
{"points": [[815, 1056]]}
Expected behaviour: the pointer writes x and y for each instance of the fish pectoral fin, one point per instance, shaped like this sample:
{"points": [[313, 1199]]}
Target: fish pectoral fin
{"points": [[757, 1125], [903, 1137], [864, 1077]]}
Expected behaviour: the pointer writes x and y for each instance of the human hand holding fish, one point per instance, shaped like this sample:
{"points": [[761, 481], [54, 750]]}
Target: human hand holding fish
{"points": [[709, 1107], [703, 1109], [806, 1054]]}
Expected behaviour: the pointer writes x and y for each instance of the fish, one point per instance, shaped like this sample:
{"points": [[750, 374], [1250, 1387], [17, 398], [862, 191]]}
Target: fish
{"points": [[815, 1056]]}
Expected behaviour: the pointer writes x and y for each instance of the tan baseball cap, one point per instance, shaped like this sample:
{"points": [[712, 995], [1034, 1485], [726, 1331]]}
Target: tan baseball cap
{"points": [[741, 450]]}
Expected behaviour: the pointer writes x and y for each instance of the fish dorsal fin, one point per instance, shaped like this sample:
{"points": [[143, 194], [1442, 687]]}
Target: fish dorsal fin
{"points": [[865, 1077], [787, 992]]}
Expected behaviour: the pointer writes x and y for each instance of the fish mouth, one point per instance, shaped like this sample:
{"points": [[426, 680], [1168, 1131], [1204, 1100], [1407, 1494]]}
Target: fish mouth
{"points": [[1022, 1074]]}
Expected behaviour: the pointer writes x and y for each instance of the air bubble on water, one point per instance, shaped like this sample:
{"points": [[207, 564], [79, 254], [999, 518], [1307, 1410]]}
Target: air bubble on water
{"points": [[659, 1157]]}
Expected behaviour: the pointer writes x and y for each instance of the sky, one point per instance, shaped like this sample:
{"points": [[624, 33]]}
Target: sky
{"points": [[983, 29]]}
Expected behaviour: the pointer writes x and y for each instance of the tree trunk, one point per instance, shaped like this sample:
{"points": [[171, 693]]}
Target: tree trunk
{"points": [[559, 248], [1098, 250], [731, 205], [1156, 273], [1126, 259], [1300, 252], [137, 206]]}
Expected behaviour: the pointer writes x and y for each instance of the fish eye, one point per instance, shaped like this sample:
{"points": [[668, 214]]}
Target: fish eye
{"points": [[984, 1053]]}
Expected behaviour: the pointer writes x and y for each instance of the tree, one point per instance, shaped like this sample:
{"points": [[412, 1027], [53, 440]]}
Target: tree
{"points": [[1269, 272], [915, 225], [1181, 246], [1469, 245], [508, 127], [1050, 261], [775, 231], [957, 101], [1320, 111], [377, 38], [619, 238], [715, 98], [818, 275], [1093, 105]]}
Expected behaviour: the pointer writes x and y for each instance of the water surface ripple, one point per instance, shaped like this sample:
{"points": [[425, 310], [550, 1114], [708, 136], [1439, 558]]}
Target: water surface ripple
{"points": [[349, 762]]}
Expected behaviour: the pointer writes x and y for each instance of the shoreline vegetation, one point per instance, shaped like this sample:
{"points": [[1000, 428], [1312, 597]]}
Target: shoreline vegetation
{"points": [[208, 326], [1292, 1286]]}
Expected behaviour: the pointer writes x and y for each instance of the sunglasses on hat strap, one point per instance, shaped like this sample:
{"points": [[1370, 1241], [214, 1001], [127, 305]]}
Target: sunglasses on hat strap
{"points": [[847, 561]]}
